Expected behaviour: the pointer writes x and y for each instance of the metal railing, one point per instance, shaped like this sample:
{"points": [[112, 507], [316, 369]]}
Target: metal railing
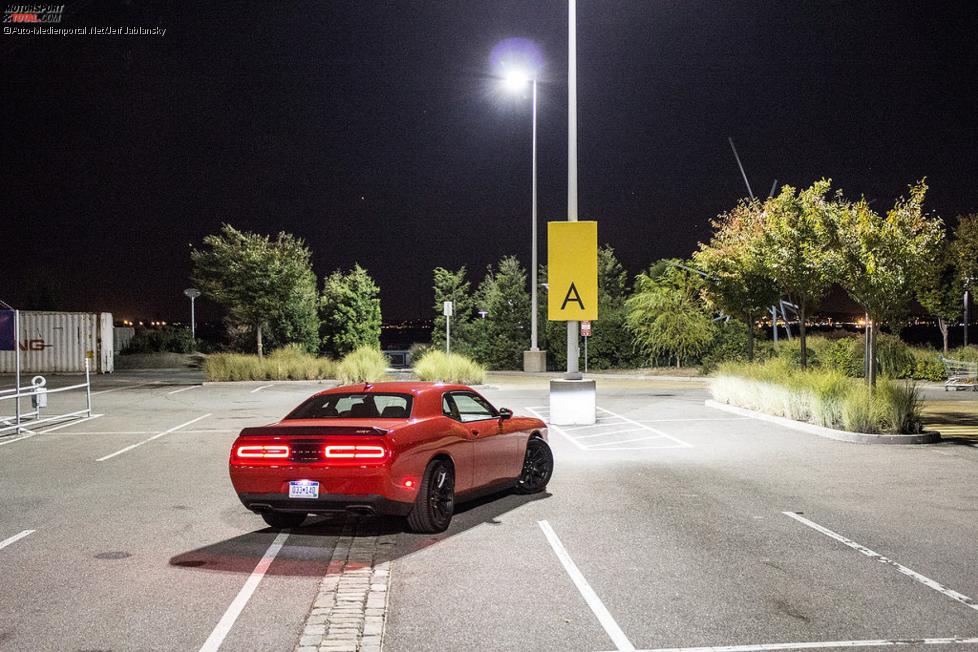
{"points": [[39, 393], [960, 374]]}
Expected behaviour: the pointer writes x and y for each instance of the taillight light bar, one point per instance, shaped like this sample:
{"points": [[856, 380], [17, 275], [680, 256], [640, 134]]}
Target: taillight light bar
{"points": [[357, 452], [265, 452]]}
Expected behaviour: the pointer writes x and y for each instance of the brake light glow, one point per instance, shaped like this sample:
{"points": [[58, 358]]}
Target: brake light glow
{"points": [[277, 451], [354, 452]]}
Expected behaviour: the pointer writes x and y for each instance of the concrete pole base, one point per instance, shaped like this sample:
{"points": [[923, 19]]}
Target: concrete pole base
{"points": [[573, 402], [534, 361]]}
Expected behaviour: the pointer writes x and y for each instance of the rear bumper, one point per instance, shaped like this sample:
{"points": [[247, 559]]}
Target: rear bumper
{"points": [[370, 503]]}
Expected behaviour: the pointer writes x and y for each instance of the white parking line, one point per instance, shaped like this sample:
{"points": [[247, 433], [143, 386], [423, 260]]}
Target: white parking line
{"points": [[10, 441], [17, 537], [593, 601], [234, 610], [70, 423], [596, 425], [166, 432], [640, 425], [119, 389], [183, 389], [558, 430], [816, 645], [613, 432], [625, 441], [604, 422], [694, 419], [926, 581], [258, 389]]}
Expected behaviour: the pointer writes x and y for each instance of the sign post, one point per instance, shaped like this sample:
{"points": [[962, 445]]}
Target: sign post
{"points": [[10, 341], [572, 296], [586, 334], [446, 309]]}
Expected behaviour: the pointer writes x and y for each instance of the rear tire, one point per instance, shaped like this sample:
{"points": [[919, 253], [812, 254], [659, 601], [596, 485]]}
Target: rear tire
{"points": [[538, 466], [284, 520], [435, 504]]}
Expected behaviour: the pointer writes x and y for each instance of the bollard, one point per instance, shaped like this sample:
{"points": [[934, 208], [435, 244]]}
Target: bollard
{"points": [[88, 386]]}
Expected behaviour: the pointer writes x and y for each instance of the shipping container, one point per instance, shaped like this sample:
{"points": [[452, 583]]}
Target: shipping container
{"points": [[59, 342]]}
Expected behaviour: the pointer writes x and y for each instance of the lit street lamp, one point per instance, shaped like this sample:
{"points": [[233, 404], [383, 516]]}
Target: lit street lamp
{"points": [[192, 294]]}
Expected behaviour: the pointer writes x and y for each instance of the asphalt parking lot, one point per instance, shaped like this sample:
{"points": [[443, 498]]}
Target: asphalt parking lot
{"points": [[667, 525]]}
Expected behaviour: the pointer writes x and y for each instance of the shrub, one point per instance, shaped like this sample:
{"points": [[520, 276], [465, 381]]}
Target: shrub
{"points": [[363, 365], [452, 368], [845, 355], [169, 339], [825, 397], [289, 363], [927, 364], [893, 356]]}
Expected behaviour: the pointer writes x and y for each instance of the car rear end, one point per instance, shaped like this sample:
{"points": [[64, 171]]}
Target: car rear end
{"points": [[318, 469]]}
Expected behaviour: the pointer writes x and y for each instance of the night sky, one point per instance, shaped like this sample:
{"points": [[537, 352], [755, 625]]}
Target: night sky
{"points": [[376, 131]]}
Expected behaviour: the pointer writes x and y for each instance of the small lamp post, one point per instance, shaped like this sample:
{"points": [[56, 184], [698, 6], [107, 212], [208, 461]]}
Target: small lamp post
{"points": [[192, 294]]}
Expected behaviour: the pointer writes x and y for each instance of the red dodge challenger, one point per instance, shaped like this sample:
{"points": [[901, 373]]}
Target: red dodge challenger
{"points": [[409, 449]]}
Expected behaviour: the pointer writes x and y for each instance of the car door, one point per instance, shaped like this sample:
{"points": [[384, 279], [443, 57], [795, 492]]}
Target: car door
{"points": [[494, 449]]}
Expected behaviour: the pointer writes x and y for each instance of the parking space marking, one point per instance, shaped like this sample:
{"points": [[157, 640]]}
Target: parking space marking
{"points": [[694, 419], [237, 605], [156, 436], [119, 389], [258, 389], [596, 425], [10, 441], [17, 537], [926, 581], [605, 434], [70, 423], [678, 441], [816, 645], [183, 389], [593, 601], [607, 422]]}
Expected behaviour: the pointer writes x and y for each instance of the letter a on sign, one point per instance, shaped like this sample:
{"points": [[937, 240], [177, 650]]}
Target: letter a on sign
{"points": [[572, 271]]}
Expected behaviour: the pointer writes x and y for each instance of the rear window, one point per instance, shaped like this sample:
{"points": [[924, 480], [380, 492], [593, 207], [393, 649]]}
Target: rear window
{"points": [[354, 406]]}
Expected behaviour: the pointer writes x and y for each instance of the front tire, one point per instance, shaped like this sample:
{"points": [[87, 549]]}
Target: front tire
{"points": [[283, 520], [435, 504], [538, 466]]}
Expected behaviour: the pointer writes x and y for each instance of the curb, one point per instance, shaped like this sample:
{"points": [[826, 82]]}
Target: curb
{"points": [[929, 437]]}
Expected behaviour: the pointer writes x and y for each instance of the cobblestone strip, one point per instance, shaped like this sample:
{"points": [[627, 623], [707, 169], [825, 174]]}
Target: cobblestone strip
{"points": [[350, 610]]}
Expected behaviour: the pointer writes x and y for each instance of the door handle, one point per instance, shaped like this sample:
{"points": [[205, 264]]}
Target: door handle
{"points": [[475, 433]]}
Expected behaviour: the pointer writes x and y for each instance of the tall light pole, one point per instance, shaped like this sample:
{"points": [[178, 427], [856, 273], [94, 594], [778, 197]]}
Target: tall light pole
{"points": [[192, 294], [573, 353], [516, 81]]}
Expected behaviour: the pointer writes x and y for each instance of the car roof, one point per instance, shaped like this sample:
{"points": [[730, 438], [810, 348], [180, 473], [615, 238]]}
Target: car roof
{"points": [[415, 388]]}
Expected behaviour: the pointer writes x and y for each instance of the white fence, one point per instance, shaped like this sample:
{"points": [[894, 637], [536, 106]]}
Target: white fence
{"points": [[39, 394]]}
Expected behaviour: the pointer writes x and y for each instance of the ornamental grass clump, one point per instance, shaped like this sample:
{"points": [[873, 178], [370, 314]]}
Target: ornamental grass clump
{"points": [[825, 397], [449, 368], [289, 363], [292, 362], [363, 365]]}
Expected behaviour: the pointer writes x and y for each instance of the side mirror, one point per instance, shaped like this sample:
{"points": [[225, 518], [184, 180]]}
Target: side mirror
{"points": [[505, 413]]}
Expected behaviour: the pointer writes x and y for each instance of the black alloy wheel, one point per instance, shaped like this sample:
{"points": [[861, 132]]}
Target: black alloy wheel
{"points": [[538, 466], [435, 504], [284, 520]]}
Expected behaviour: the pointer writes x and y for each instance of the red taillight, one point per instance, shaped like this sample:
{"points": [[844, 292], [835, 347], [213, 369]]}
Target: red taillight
{"points": [[276, 451], [358, 452]]}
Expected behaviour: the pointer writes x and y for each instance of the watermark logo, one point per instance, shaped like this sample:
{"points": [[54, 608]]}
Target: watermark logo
{"points": [[49, 14]]}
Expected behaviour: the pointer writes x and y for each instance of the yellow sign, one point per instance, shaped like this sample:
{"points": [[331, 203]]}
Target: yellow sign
{"points": [[572, 271]]}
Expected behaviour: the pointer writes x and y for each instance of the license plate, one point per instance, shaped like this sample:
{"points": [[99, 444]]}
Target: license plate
{"points": [[303, 489]]}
